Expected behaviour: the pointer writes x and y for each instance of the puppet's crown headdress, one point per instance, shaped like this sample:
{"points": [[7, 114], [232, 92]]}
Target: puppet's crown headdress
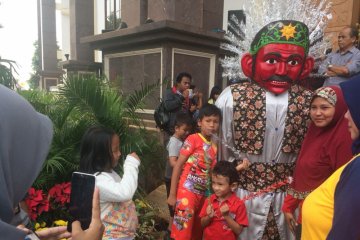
{"points": [[299, 22]]}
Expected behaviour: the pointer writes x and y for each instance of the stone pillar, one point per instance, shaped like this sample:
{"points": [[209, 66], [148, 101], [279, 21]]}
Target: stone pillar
{"points": [[50, 74], [47, 37], [81, 25], [81, 57], [200, 13], [213, 15], [134, 12], [160, 10]]}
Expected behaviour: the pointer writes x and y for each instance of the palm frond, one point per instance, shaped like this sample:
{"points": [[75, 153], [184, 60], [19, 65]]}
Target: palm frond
{"points": [[136, 100], [42, 101], [81, 103], [45, 181], [93, 96]]}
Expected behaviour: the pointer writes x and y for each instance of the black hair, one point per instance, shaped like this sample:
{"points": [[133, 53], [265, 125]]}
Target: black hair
{"points": [[95, 150], [180, 76], [209, 110], [183, 118], [216, 90], [226, 169], [354, 32]]}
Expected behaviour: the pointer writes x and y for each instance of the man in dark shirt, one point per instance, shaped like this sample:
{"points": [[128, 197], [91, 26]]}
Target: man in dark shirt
{"points": [[178, 98]]}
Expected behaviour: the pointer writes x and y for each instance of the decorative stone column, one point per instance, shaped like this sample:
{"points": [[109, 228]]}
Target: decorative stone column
{"points": [[81, 59], [50, 74]]}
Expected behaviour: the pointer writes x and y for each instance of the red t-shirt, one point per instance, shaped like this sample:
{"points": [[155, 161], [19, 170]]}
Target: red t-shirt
{"points": [[195, 174], [218, 228]]}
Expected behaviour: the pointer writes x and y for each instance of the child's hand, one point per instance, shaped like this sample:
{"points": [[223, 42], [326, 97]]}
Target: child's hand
{"points": [[171, 200], [291, 222], [224, 209], [244, 165], [210, 211], [133, 154]]}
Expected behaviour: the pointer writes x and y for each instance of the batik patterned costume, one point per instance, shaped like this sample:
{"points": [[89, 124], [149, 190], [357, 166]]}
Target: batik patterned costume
{"points": [[267, 129]]}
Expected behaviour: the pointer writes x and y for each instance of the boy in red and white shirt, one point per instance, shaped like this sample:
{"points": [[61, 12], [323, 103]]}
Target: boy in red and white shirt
{"points": [[223, 215], [190, 181]]}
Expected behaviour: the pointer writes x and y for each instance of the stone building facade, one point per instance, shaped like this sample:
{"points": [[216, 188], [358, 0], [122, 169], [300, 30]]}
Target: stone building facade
{"points": [[156, 40], [162, 38]]}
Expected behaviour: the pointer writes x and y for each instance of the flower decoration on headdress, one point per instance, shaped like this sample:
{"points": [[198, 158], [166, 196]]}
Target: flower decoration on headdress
{"points": [[260, 13], [327, 93], [288, 31]]}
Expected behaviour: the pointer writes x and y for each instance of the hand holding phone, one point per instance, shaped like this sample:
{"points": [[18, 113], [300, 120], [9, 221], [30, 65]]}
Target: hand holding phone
{"points": [[81, 197], [94, 232], [32, 236], [96, 228]]}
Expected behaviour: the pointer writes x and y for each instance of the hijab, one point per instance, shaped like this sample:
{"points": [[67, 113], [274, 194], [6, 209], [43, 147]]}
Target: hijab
{"points": [[351, 91], [25, 138], [324, 149]]}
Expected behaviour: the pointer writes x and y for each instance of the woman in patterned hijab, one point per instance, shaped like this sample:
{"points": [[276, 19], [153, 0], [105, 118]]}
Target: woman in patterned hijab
{"points": [[326, 147], [332, 211]]}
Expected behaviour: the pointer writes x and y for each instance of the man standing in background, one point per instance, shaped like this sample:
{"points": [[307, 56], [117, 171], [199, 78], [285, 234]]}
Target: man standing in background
{"points": [[339, 66]]}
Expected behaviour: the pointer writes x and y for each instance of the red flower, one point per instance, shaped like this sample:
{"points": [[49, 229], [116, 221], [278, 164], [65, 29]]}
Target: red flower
{"points": [[61, 193], [37, 203]]}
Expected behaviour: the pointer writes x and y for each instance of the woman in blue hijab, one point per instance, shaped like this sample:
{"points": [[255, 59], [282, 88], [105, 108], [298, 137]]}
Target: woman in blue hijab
{"points": [[332, 211]]}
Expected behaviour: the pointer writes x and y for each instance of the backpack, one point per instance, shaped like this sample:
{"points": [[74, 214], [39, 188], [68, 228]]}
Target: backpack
{"points": [[162, 116]]}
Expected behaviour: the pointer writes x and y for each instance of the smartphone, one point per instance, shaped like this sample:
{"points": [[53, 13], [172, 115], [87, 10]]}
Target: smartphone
{"points": [[32, 236], [81, 196]]}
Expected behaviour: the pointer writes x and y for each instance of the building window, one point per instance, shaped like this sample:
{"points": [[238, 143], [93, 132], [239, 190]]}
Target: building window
{"points": [[112, 14]]}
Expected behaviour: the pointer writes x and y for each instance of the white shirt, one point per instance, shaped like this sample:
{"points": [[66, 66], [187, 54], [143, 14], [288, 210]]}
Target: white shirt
{"points": [[113, 188]]}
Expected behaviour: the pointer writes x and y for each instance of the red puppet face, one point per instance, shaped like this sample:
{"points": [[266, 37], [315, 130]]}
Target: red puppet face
{"points": [[277, 66]]}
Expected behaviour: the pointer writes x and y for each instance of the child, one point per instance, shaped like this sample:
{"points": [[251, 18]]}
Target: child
{"points": [[214, 94], [190, 179], [195, 103], [99, 154], [223, 216], [183, 125]]}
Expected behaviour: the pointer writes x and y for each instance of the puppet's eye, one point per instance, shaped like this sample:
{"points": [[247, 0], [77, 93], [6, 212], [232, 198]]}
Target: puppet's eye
{"points": [[271, 61], [293, 62]]}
